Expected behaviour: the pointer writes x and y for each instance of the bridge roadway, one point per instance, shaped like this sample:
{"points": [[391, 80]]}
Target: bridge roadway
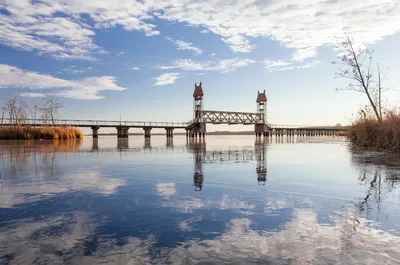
{"points": [[211, 117]]}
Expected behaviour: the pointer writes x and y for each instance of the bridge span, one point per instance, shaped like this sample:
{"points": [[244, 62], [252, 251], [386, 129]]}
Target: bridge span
{"points": [[195, 127]]}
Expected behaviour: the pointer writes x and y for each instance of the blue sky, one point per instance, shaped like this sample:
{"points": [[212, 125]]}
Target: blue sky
{"points": [[141, 59]]}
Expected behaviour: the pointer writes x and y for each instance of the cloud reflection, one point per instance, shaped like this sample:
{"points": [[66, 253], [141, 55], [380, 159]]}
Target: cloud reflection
{"points": [[70, 237], [28, 192], [303, 240]]}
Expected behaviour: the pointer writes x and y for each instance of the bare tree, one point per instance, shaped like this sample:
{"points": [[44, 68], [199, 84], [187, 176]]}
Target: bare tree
{"points": [[34, 110], [379, 91], [17, 109], [11, 107], [50, 108], [2, 114], [357, 64]]}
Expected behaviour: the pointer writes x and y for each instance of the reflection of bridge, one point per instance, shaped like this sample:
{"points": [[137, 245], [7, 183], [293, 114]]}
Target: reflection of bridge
{"points": [[201, 155], [195, 127], [212, 156]]}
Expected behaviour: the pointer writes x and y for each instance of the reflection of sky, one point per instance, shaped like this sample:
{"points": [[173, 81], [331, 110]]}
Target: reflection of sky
{"points": [[142, 207]]}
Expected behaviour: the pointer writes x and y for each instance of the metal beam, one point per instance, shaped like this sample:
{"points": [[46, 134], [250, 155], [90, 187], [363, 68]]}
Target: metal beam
{"points": [[230, 117]]}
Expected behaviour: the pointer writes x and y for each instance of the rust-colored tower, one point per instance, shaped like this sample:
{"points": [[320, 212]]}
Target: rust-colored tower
{"points": [[261, 127], [262, 106], [197, 102]]}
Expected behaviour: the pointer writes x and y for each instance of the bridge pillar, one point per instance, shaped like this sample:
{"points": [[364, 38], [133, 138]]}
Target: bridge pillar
{"points": [[147, 132], [202, 131], [169, 132], [95, 132], [261, 129], [122, 132], [187, 133]]}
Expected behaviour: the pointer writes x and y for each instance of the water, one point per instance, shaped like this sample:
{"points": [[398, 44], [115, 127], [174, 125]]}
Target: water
{"points": [[229, 200]]}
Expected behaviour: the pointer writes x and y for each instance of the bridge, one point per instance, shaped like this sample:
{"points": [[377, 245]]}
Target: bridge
{"points": [[195, 127]]}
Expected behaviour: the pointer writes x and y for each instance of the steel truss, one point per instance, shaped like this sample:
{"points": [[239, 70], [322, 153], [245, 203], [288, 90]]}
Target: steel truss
{"points": [[229, 117]]}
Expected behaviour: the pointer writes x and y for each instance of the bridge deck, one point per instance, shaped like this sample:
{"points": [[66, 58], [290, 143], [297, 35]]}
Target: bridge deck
{"points": [[100, 123], [214, 117]]}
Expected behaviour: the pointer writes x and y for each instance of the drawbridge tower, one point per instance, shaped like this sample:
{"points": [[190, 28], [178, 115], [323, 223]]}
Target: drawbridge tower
{"points": [[199, 124], [261, 127]]}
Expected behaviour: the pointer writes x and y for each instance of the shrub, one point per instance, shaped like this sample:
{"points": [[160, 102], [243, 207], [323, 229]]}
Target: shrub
{"points": [[25, 133], [368, 132]]}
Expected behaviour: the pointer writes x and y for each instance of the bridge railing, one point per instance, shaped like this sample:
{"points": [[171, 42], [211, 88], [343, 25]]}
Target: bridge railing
{"points": [[280, 126], [88, 123]]}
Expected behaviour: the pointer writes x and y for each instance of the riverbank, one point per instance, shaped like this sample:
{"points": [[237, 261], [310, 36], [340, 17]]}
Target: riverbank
{"points": [[370, 133], [26, 133]]}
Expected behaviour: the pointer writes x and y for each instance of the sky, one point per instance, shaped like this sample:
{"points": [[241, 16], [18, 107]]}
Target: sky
{"points": [[139, 60]]}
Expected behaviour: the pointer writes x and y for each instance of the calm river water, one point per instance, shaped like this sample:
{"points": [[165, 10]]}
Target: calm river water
{"points": [[228, 200]]}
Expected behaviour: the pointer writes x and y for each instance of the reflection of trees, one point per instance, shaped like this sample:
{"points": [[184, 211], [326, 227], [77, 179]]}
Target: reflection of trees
{"points": [[380, 173], [34, 158]]}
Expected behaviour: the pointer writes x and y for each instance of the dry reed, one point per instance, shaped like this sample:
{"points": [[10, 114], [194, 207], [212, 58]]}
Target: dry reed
{"points": [[370, 133], [26, 133]]}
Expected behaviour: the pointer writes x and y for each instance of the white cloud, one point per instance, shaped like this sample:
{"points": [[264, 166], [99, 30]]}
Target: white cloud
{"points": [[204, 31], [302, 26], [32, 95], [86, 88], [64, 29], [309, 65], [283, 65], [121, 53], [212, 55], [74, 71], [223, 66], [135, 68], [183, 45], [166, 79], [278, 65]]}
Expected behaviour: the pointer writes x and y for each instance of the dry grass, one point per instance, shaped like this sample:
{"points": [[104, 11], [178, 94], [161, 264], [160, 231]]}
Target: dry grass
{"points": [[368, 132], [341, 133], [25, 133]]}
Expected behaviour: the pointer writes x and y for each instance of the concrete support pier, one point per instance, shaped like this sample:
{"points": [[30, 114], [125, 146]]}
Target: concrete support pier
{"points": [[95, 131], [261, 130], [199, 130], [169, 132], [122, 132], [147, 132]]}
